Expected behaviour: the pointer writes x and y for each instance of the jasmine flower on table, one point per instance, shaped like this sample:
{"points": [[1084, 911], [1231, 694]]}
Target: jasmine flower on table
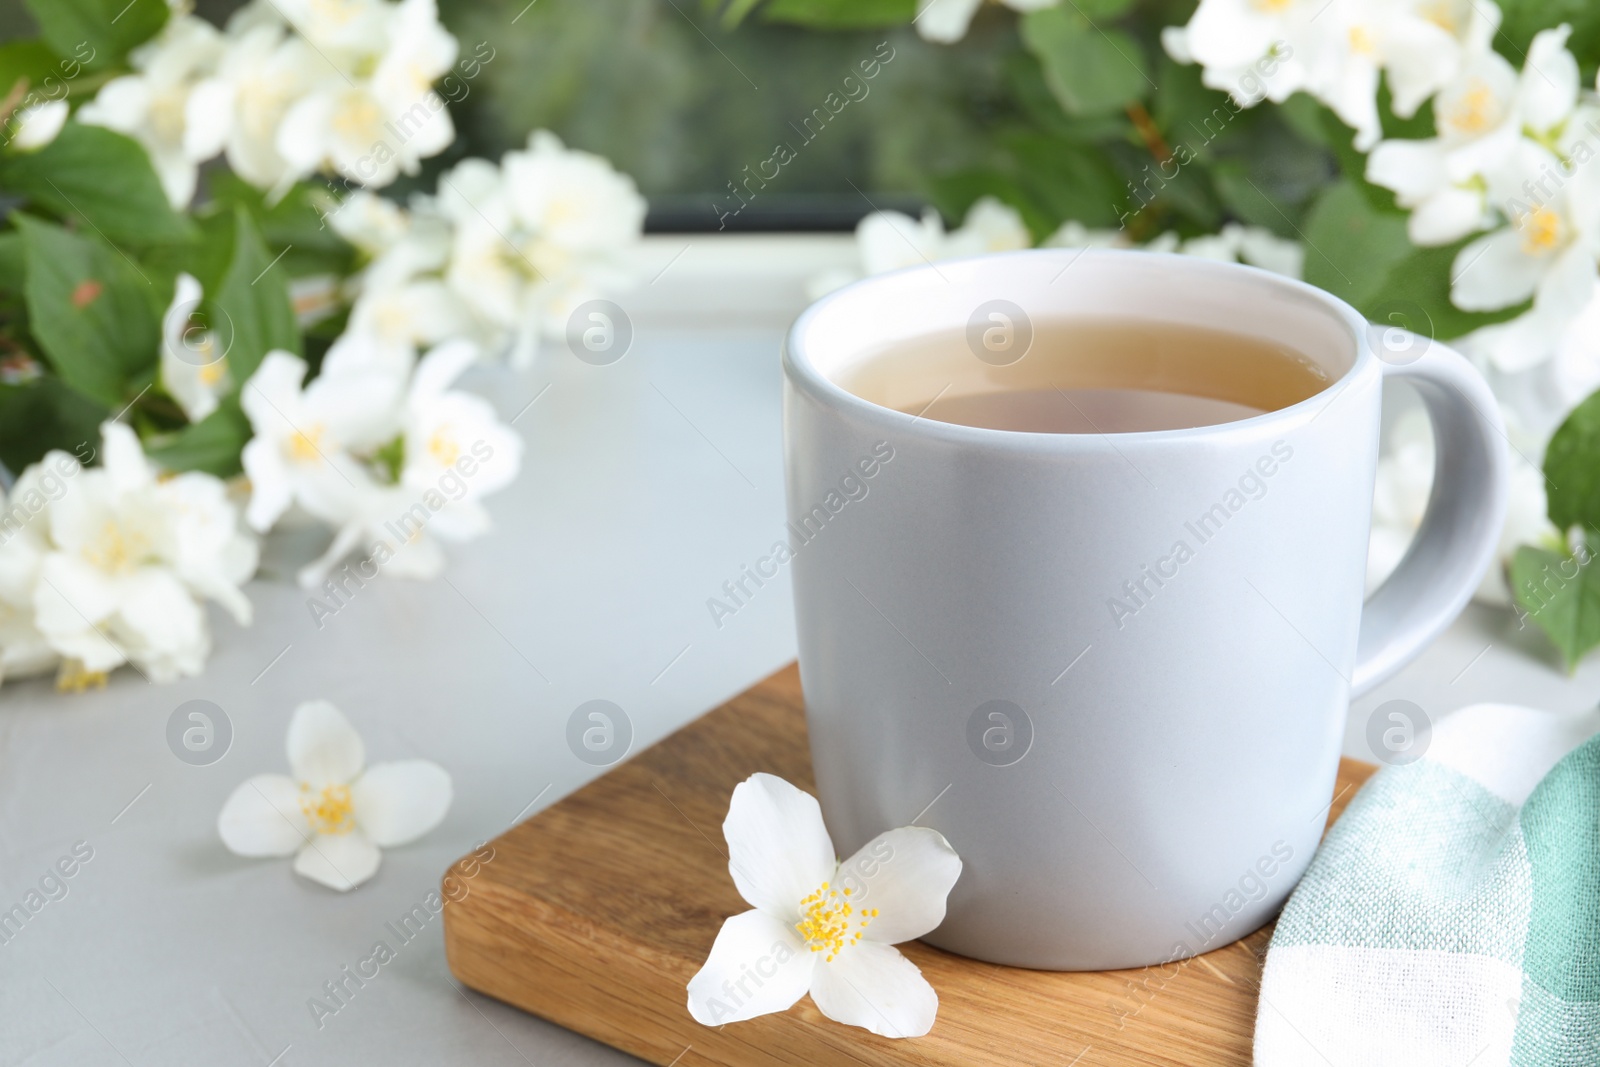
{"points": [[820, 926]]}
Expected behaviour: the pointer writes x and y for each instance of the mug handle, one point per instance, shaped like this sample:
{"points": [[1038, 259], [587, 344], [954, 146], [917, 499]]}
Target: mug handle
{"points": [[1461, 528]]}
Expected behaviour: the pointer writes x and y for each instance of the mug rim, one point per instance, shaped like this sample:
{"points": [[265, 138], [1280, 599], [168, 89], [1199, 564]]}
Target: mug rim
{"points": [[799, 369]]}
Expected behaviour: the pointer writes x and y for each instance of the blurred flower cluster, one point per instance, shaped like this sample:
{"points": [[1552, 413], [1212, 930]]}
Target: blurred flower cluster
{"points": [[309, 361], [110, 565], [288, 88], [892, 240], [499, 254]]}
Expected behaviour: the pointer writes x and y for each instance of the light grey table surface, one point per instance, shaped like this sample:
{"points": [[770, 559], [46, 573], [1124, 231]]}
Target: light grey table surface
{"points": [[645, 486]]}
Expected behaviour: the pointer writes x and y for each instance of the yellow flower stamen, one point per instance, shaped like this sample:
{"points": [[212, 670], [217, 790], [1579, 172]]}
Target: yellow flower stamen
{"points": [[211, 373], [827, 921], [304, 446], [1475, 112], [330, 811], [444, 448], [1441, 15], [71, 677], [114, 549], [1272, 6], [1362, 41], [1542, 230]]}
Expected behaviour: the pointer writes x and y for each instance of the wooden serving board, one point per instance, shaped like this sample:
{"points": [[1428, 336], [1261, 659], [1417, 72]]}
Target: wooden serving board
{"points": [[596, 912]]}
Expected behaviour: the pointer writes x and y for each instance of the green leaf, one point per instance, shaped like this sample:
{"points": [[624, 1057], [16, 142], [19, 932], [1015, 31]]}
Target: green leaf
{"points": [[249, 307], [42, 413], [837, 14], [1090, 68], [954, 194], [31, 59], [91, 310], [735, 12], [1422, 280], [293, 225], [1560, 593], [13, 262], [1524, 18], [1070, 181], [101, 177], [98, 32], [1572, 468], [1350, 245], [212, 445]]}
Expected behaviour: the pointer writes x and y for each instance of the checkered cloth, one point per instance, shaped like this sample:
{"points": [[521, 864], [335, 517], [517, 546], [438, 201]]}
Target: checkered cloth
{"points": [[1452, 916]]}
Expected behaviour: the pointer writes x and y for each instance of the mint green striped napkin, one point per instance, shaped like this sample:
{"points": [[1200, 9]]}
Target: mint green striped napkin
{"points": [[1452, 916]]}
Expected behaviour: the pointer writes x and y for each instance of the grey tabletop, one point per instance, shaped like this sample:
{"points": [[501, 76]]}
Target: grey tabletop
{"points": [[646, 485]]}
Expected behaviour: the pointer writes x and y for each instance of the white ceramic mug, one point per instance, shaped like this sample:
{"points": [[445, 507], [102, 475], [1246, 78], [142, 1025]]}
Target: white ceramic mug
{"points": [[1127, 785]]}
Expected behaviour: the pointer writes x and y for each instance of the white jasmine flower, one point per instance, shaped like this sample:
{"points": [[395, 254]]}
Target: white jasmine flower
{"points": [[402, 297], [946, 21], [1426, 43], [820, 926], [263, 71], [892, 240], [304, 437], [1250, 50], [1255, 245], [990, 226], [889, 240], [1420, 44], [332, 812], [370, 126], [128, 559], [1546, 251], [38, 124], [194, 362], [1481, 116], [1269, 49], [452, 451], [372, 223], [170, 104], [537, 236]]}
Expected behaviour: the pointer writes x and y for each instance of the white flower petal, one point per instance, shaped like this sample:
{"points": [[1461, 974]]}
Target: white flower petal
{"points": [[876, 988], [1567, 285], [273, 392], [905, 874], [324, 749], [163, 614], [121, 104], [1412, 169], [39, 124], [338, 861], [1446, 216], [71, 595], [440, 368], [262, 817], [778, 848], [123, 458], [1175, 41], [757, 965], [1548, 89], [1420, 57], [399, 802], [271, 491], [1493, 273]]}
